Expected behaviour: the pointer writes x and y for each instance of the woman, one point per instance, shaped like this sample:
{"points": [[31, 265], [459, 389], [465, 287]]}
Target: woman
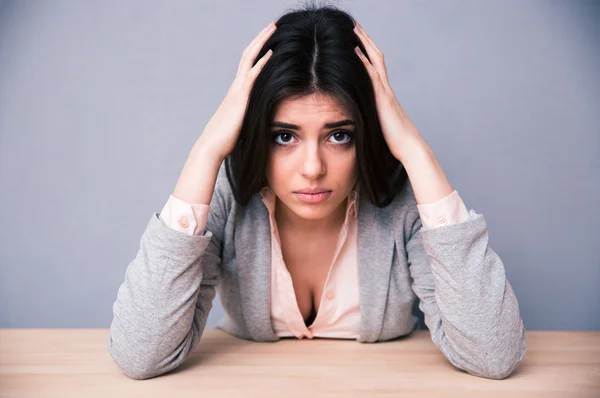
{"points": [[313, 206]]}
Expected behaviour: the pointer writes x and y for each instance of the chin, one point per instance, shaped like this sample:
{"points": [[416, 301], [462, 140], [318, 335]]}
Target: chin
{"points": [[313, 211]]}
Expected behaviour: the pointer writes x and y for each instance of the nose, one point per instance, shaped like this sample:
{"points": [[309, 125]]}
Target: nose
{"points": [[313, 165]]}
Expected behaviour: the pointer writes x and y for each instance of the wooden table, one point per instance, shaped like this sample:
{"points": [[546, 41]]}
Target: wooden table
{"points": [[75, 363]]}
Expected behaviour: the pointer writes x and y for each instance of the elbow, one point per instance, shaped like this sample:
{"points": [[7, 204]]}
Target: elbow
{"points": [[501, 372], [491, 360], [133, 366], [508, 361], [498, 369], [137, 372]]}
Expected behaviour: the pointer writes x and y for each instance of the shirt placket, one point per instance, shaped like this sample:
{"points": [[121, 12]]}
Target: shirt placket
{"points": [[325, 304], [286, 294]]}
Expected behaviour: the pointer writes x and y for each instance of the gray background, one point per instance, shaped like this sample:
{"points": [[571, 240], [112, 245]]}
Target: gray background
{"points": [[100, 103]]}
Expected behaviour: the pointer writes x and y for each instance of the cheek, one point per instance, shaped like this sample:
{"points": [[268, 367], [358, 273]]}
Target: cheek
{"points": [[277, 168], [349, 164]]}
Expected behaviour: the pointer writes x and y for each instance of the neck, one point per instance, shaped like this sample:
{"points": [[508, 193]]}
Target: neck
{"points": [[289, 221]]}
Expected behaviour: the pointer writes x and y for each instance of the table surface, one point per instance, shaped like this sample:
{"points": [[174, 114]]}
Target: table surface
{"points": [[76, 363]]}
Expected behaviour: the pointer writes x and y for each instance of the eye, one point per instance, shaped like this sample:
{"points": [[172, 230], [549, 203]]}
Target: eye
{"points": [[286, 137], [341, 133]]}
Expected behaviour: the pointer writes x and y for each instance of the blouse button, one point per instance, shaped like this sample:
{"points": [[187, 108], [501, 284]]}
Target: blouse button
{"points": [[329, 296], [183, 221], [441, 221]]}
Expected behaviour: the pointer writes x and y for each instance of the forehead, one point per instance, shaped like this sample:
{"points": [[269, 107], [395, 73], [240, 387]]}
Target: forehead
{"points": [[311, 107]]}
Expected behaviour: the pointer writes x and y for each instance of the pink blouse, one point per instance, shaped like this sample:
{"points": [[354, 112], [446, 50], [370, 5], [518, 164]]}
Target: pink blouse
{"points": [[339, 313]]}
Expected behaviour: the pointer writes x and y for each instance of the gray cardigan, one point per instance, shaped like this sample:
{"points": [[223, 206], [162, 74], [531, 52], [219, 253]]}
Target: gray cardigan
{"points": [[468, 304]]}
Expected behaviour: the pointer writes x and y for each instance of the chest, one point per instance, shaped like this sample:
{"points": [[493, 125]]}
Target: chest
{"points": [[308, 261]]}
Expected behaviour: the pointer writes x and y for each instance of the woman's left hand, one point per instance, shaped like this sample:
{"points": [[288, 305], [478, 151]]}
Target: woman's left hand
{"points": [[399, 132]]}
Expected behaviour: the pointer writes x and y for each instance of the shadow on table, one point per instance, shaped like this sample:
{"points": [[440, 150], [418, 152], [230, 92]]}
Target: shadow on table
{"points": [[204, 353]]}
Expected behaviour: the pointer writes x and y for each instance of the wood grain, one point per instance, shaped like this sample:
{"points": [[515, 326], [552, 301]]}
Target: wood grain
{"points": [[75, 363]]}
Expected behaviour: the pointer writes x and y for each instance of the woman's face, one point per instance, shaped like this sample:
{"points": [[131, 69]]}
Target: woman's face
{"points": [[311, 154]]}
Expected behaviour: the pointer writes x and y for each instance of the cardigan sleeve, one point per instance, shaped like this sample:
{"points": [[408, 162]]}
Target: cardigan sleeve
{"points": [[163, 304], [468, 304]]}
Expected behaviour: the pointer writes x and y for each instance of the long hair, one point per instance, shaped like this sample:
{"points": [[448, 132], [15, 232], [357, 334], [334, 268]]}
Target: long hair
{"points": [[313, 53]]}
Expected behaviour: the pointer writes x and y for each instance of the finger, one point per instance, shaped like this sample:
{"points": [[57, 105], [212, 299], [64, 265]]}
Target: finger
{"points": [[252, 50], [367, 45], [259, 65], [370, 69], [360, 30], [242, 64], [375, 54], [260, 34], [373, 74]]}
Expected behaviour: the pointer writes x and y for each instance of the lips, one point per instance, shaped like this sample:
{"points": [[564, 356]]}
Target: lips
{"points": [[313, 191], [313, 198]]}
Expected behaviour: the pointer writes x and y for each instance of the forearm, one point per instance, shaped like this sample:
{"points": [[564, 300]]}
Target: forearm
{"points": [[425, 173], [470, 308], [166, 288], [197, 180]]}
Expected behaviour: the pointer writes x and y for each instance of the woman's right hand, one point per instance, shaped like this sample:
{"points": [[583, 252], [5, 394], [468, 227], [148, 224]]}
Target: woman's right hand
{"points": [[222, 130]]}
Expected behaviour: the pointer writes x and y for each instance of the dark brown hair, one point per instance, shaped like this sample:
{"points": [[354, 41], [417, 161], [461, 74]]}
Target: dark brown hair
{"points": [[313, 52]]}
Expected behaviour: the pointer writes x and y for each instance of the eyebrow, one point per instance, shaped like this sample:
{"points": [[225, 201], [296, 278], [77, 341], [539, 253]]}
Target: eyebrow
{"points": [[345, 122]]}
